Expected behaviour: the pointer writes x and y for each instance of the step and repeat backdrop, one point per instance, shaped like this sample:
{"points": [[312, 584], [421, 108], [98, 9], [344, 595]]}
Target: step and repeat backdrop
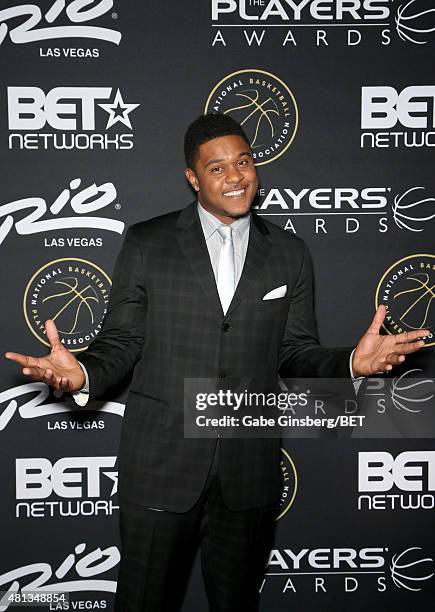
{"points": [[337, 98]]}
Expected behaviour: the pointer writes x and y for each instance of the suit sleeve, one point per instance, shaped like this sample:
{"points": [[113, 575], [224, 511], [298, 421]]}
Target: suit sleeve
{"points": [[300, 353], [112, 355]]}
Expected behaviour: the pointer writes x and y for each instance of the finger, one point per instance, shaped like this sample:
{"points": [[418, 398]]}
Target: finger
{"points": [[52, 379], [64, 384], [34, 372], [409, 347], [52, 335], [395, 359], [23, 360], [48, 377], [56, 382], [378, 319], [382, 366], [38, 374], [412, 335]]}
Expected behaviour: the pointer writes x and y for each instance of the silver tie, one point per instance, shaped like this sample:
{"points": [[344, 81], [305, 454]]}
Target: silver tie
{"points": [[226, 274]]}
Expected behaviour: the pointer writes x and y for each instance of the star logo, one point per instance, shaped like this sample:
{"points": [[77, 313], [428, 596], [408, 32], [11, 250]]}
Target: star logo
{"points": [[113, 476], [118, 111]]}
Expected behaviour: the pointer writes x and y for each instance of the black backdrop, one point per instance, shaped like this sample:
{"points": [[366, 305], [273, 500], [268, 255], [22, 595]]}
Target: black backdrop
{"points": [[345, 176]]}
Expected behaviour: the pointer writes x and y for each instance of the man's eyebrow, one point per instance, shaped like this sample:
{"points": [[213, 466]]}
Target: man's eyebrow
{"points": [[213, 161], [218, 161]]}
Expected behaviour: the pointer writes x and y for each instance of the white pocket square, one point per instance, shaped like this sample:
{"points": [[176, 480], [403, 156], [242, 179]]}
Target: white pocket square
{"points": [[279, 292]]}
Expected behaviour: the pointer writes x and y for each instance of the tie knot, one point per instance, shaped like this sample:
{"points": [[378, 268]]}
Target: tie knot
{"points": [[226, 232]]}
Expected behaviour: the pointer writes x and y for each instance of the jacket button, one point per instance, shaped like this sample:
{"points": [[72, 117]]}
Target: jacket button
{"points": [[226, 327]]}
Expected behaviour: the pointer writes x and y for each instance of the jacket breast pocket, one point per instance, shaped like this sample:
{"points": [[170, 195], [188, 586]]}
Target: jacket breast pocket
{"points": [[275, 305]]}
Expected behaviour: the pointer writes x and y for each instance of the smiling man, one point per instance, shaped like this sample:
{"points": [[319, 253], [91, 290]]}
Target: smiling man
{"points": [[187, 301]]}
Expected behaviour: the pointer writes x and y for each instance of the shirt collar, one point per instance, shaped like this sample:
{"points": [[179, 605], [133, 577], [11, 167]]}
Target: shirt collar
{"points": [[210, 223]]}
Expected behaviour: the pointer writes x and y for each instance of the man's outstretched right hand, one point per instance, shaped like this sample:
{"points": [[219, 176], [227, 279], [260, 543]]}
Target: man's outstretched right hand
{"points": [[59, 368]]}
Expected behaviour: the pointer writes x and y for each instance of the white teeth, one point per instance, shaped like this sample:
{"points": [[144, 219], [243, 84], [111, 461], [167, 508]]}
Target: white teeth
{"points": [[234, 193]]}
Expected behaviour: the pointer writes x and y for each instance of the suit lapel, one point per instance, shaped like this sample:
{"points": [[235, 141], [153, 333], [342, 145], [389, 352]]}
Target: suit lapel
{"points": [[256, 255], [191, 239]]}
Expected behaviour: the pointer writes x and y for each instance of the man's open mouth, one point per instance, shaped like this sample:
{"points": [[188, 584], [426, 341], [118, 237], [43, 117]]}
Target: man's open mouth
{"points": [[235, 193]]}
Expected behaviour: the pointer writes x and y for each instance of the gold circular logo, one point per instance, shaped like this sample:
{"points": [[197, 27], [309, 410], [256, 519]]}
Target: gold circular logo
{"points": [[73, 293], [289, 484], [263, 105], [407, 290]]}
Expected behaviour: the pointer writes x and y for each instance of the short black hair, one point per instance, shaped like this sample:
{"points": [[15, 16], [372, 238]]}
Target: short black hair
{"points": [[205, 128]]}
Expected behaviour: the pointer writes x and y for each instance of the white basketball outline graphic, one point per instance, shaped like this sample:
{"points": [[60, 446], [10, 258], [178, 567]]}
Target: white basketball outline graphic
{"points": [[398, 398], [402, 220], [399, 577], [407, 32]]}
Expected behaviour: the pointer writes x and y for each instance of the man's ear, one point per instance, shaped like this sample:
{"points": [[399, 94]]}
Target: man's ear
{"points": [[191, 177]]}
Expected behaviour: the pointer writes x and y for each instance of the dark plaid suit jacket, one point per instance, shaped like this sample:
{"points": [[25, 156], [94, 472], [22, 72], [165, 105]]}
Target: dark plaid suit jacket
{"points": [[165, 321]]}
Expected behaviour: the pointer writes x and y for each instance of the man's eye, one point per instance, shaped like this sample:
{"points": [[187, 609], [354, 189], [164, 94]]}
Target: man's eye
{"points": [[216, 169], [243, 162]]}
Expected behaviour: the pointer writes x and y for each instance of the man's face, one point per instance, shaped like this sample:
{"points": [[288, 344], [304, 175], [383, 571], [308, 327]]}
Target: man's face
{"points": [[224, 177]]}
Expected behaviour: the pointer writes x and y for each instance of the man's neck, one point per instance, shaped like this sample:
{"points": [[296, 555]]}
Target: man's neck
{"points": [[225, 220]]}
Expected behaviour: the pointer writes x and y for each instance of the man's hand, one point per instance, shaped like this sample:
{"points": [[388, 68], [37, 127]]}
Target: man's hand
{"points": [[375, 353], [60, 368]]}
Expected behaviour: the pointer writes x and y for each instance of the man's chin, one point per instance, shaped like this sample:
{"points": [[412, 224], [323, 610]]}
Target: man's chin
{"points": [[238, 214]]}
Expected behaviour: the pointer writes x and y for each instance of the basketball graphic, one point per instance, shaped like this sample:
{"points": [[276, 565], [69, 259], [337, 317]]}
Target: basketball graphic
{"points": [[263, 105], [73, 293]]}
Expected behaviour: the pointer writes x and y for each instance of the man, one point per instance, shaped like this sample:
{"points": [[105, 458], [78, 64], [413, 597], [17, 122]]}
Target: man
{"points": [[187, 302]]}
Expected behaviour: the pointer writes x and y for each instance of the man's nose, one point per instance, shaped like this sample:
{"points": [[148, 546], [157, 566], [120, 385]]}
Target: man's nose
{"points": [[234, 175]]}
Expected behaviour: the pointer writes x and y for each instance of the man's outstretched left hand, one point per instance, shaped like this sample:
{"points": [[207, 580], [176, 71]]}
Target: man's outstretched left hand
{"points": [[375, 353]]}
